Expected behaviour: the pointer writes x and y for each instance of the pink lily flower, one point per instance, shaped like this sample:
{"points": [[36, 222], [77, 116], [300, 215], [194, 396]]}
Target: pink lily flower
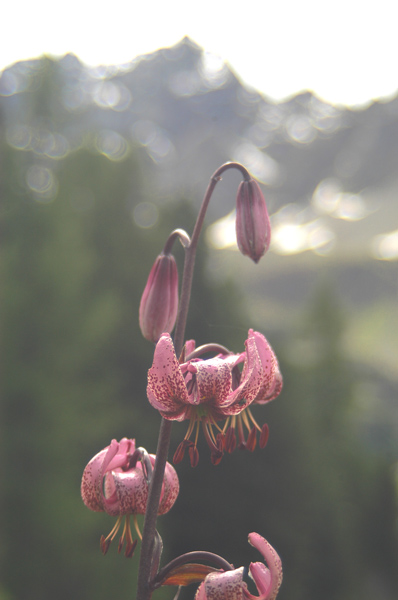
{"points": [[114, 482], [205, 391], [229, 585]]}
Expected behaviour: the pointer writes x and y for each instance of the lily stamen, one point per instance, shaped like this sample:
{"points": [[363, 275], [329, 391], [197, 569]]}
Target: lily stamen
{"points": [[244, 418], [137, 528], [105, 542], [253, 420]]}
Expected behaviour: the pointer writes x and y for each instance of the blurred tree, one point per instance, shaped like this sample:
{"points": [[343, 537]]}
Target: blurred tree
{"points": [[75, 363], [74, 264]]}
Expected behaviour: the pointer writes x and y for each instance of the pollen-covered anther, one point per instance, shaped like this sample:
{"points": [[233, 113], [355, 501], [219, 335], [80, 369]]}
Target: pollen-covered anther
{"points": [[179, 453], [104, 544], [216, 457], [193, 455], [220, 441], [130, 547], [120, 544], [251, 440], [241, 435], [230, 440], [264, 436], [216, 444]]}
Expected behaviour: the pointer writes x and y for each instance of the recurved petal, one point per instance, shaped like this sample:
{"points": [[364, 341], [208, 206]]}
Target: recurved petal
{"points": [[271, 380], [166, 388], [222, 586], [180, 414], [268, 580], [267, 355], [124, 449], [269, 392], [171, 488], [92, 482], [250, 383]]}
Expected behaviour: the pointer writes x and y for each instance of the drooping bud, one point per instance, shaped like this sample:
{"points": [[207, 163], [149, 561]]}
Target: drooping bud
{"points": [[253, 228], [159, 302]]}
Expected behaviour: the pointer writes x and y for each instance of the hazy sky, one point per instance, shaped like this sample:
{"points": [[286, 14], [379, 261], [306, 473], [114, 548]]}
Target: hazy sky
{"points": [[345, 51]]}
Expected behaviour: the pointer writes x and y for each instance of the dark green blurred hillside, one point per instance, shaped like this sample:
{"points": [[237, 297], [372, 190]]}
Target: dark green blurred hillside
{"points": [[78, 237]]}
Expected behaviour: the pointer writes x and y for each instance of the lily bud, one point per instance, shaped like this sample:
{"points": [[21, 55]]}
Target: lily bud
{"points": [[159, 302], [253, 228]]}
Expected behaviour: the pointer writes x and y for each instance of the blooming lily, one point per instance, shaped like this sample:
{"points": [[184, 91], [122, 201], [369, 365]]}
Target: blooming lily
{"points": [[115, 481], [229, 585], [205, 391]]}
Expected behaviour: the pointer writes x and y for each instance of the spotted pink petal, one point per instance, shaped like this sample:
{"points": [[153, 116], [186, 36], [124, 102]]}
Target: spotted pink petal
{"points": [[166, 388], [268, 393], [131, 491], [271, 384], [125, 448], [189, 347], [170, 490], [267, 356], [268, 580], [92, 474], [250, 383], [214, 380], [222, 586]]}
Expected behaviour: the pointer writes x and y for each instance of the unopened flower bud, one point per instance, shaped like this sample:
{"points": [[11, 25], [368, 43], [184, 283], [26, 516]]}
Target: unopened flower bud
{"points": [[159, 302], [253, 228]]}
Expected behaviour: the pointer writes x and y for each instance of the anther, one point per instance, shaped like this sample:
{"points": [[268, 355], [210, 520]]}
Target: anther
{"points": [[230, 440], [193, 455], [251, 440], [264, 435]]}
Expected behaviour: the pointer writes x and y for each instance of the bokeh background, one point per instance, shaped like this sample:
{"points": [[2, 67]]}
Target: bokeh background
{"points": [[97, 166]]}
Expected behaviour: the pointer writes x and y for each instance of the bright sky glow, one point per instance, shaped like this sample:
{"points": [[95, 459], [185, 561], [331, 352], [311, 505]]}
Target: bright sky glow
{"points": [[344, 51]]}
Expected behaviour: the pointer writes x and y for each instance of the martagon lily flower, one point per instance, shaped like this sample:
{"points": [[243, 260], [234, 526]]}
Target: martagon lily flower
{"points": [[205, 391], [116, 481], [229, 585]]}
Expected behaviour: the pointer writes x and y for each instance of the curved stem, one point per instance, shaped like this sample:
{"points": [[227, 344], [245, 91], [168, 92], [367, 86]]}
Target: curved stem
{"points": [[143, 588], [206, 348], [177, 233], [148, 532], [190, 253], [218, 561]]}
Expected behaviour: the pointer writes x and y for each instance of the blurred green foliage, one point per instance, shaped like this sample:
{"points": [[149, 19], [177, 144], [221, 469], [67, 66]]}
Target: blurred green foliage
{"points": [[74, 375]]}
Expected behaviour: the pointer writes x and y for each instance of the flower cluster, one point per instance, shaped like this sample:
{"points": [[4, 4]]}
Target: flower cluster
{"points": [[205, 391], [116, 481], [210, 387]]}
